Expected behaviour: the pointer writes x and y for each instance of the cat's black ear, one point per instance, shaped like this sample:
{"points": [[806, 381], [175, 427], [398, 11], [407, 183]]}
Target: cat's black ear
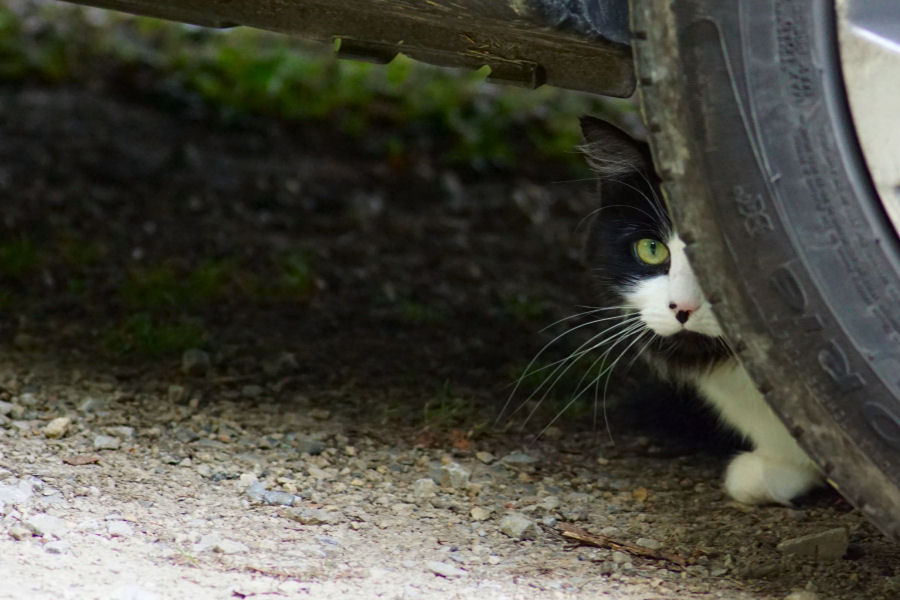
{"points": [[610, 151]]}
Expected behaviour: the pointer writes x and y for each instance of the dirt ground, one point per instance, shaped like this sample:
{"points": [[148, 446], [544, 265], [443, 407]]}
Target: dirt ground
{"points": [[359, 322]]}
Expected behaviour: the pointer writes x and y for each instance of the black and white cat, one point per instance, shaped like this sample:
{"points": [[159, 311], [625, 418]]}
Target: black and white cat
{"points": [[641, 268]]}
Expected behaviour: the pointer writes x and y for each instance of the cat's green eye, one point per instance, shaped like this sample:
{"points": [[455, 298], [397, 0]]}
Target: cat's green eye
{"points": [[650, 251]]}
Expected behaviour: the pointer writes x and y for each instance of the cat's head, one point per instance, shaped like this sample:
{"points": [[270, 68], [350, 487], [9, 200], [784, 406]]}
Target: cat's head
{"points": [[637, 258]]}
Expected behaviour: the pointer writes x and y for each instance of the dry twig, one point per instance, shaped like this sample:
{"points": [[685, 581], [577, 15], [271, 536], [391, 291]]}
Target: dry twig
{"points": [[587, 538]]}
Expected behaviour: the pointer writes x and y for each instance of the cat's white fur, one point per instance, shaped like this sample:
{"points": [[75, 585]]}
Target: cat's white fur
{"points": [[777, 469]]}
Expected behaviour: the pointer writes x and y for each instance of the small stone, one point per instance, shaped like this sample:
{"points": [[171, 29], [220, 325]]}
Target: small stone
{"points": [[309, 445], [479, 513], [454, 475], [518, 459], [284, 363], [802, 595], [313, 516], [186, 435], [518, 526], [176, 393], [620, 558], [5, 407], [119, 528], [106, 442], [444, 570], [19, 532], [251, 390], [27, 399], [606, 567], [57, 427], [255, 491], [246, 480], [825, 545], [217, 543], [424, 488], [649, 543], [258, 493], [121, 431], [320, 414], [485, 457], [25, 341], [278, 498], [18, 493], [57, 547], [22, 426], [550, 503], [89, 404], [195, 362], [45, 525]]}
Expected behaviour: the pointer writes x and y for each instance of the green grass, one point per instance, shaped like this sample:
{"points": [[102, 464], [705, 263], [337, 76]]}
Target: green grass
{"points": [[525, 307], [246, 71], [418, 313], [447, 407], [156, 287], [19, 256], [147, 335], [294, 277]]}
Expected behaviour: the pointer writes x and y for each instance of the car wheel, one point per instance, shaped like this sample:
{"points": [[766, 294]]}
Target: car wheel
{"points": [[754, 138]]}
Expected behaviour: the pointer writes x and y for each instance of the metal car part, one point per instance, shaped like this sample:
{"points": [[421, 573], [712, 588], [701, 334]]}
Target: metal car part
{"points": [[575, 44]]}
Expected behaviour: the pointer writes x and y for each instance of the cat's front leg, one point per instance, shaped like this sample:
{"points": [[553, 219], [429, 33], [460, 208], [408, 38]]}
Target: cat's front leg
{"points": [[777, 470]]}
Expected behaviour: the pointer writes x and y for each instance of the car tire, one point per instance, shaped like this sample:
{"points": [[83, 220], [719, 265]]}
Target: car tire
{"points": [[752, 137]]}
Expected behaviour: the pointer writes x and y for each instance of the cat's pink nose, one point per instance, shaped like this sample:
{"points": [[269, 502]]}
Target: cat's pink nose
{"points": [[682, 311]]}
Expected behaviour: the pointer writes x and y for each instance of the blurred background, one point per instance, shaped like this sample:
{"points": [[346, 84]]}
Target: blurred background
{"points": [[330, 226]]}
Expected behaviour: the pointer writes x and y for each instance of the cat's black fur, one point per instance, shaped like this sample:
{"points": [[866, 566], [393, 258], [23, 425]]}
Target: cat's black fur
{"points": [[631, 208]]}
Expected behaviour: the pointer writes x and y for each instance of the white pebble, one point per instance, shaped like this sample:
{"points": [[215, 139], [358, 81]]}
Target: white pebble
{"points": [[57, 427], [106, 442], [519, 527], [444, 570]]}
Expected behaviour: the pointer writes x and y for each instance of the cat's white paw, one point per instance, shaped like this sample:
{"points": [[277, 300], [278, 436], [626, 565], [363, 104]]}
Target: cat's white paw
{"points": [[756, 478]]}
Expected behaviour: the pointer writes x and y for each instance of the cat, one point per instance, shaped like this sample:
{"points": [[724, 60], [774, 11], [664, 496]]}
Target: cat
{"points": [[641, 273]]}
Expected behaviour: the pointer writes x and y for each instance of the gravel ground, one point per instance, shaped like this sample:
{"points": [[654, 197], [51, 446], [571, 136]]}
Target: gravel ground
{"points": [[340, 442]]}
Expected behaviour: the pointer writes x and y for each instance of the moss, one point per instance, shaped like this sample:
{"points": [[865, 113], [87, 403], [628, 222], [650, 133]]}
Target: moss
{"points": [[146, 335], [19, 257]]}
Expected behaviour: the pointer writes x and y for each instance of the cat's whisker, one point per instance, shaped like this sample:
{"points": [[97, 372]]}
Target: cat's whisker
{"points": [[562, 367], [528, 369], [606, 370], [578, 352], [586, 347], [581, 314], [596, 384], [608, 378], [630, 167], [638, 354], [603, 372], [617, 336]]}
